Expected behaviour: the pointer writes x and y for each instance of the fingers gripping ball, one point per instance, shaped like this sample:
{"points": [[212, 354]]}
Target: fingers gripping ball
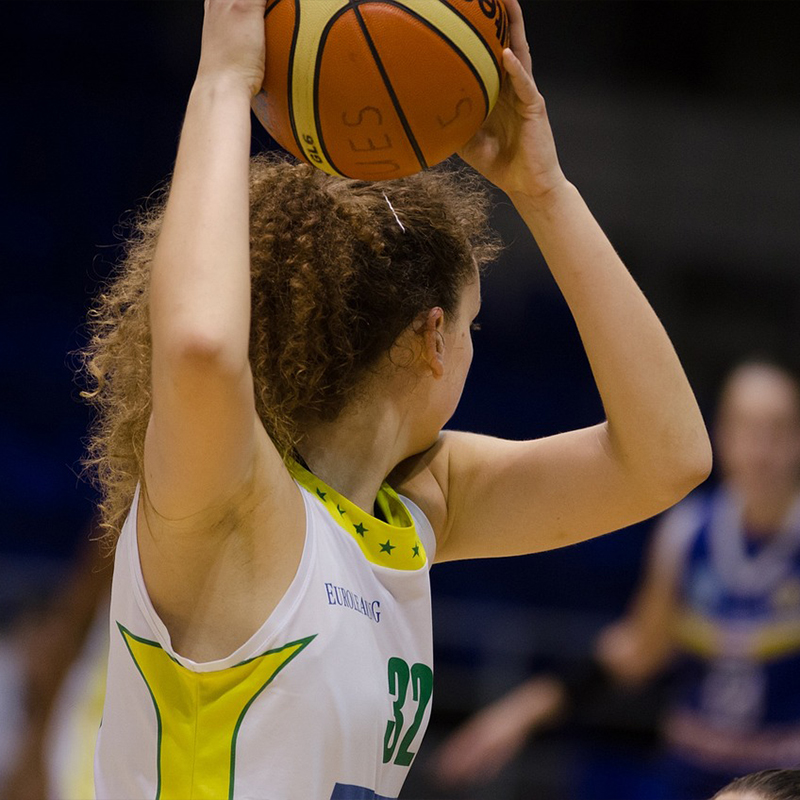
{"points": [[378, 89]]}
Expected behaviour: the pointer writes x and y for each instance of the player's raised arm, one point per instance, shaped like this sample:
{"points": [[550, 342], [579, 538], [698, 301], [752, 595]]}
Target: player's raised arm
{"points": [[200, 444], [512, 497]]}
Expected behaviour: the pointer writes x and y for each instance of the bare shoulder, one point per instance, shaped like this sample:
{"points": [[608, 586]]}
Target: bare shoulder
{"points": [[424, 478], [428, 477]]}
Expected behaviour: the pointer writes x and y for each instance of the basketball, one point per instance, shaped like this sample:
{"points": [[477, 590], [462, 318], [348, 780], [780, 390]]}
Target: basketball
{"points": [[379, 89]]}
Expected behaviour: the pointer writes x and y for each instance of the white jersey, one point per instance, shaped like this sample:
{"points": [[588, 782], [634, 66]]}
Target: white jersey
{"points": [[327, 700]]}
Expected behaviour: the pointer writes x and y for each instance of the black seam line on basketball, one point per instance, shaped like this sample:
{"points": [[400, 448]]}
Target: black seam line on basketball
{"points": [[317, 70], [452, 8], [469, 23], [458, 51], [390, 89], [269, 8], [289, 93]]}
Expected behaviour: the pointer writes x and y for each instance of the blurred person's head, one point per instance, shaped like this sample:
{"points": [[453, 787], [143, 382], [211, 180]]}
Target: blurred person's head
{"points": [[758, 430], [771, 784]]}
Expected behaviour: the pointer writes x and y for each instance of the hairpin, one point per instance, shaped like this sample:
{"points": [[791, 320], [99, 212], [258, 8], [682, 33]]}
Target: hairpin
{"points": [[389, 202]]}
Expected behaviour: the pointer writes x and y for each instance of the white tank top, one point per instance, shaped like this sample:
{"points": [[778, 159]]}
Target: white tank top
{"points": [[327, 700]]}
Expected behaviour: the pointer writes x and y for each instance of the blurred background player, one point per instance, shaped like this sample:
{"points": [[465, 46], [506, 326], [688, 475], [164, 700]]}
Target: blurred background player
{"points": [[63, 649], [720, 600]]}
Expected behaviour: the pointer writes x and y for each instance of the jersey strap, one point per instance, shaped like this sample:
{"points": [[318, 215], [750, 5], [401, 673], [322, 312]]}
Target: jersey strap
{"points": [[393, 543]]}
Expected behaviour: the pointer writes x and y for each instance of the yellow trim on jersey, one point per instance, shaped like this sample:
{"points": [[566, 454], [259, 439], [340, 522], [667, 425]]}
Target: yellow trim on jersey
{"points": [[199, 715], [313, 17], [446, 20], [762, 641], [394, 543]]}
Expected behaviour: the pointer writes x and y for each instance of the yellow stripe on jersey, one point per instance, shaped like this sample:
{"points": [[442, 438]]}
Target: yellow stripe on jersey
{"points": [[763, 641], [199, 715], [777, 639], [394, 543], [452, 25], [313, 17]]}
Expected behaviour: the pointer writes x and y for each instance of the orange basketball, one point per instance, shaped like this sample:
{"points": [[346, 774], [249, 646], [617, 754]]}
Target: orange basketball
{"points": [[378, 89]]}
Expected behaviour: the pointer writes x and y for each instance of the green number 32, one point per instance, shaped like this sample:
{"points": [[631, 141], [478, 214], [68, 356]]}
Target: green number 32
{"points": [[421, 678]]}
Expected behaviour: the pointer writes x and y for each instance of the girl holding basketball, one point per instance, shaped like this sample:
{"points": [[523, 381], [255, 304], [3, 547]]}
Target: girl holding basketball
{"points": [[273, 366]]}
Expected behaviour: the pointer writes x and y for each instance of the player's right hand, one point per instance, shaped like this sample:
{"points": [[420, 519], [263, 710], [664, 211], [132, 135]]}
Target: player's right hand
{"points": [[233, 42]]}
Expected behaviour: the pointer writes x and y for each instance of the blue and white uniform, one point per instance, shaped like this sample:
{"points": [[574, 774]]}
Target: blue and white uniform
{"points": [[738, 630]]}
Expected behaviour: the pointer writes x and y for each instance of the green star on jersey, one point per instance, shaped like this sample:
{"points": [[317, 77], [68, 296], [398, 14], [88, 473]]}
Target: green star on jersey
{"points": [[389, 521]]}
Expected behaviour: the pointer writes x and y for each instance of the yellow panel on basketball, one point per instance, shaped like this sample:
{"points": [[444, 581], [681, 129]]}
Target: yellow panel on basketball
{"points": [[380, 88], [313, 19], [466, 37], [489, 18]]}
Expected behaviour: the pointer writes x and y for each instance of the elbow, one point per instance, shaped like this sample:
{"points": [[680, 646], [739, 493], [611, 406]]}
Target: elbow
{"points": [[703, 463], [198, 347], [690, 476], [201, 352], [683, 468], [696, 460]]}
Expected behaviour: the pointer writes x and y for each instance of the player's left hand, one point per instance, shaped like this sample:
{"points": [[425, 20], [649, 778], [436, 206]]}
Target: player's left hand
{"points": [[514, 148]]}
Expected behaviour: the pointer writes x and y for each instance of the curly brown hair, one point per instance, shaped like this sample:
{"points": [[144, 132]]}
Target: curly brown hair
{"points": [[336, 278]]}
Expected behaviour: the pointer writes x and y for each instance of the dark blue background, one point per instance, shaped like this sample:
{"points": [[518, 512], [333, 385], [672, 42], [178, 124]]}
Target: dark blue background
{"points": [[670, 116]]}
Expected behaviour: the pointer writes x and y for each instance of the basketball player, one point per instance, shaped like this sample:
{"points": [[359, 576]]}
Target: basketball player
{"points": [[273, 375], [721, 598]]}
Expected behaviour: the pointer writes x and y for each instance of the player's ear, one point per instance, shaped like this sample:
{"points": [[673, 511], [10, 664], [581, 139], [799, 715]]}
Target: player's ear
{"points": [[430, 328]]}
